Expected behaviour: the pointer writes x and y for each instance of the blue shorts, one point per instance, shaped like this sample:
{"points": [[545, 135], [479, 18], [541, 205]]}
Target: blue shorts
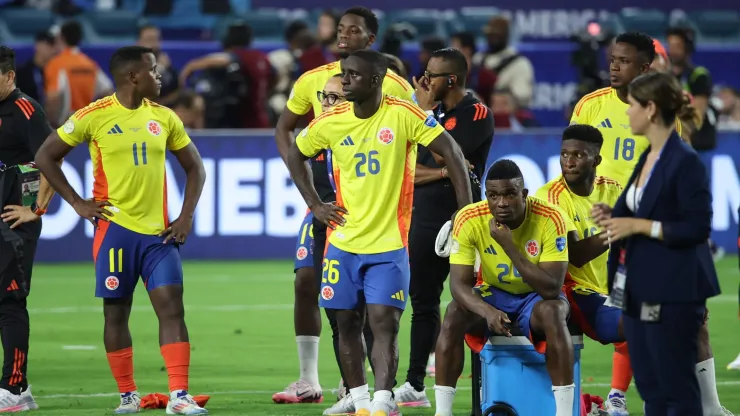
{"points": [[304, 245], [598, 321], [121, 256], [383, 279], [518, 307]]}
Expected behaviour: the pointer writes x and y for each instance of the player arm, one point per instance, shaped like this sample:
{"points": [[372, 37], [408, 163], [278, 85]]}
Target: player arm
{"points": [[582, 251], [284, 136], [546, 278], [191, 162], [37, 130], [306, 145], [462, 281], [49, 159], [425, 174], [445, 146]]}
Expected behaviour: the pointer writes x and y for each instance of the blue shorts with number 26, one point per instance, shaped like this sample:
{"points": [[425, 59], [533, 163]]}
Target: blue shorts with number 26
{"points": [[350, 280]]}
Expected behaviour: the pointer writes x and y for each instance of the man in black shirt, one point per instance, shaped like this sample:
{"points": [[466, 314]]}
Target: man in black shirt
{"points": [[23, 128], [470, 123], [29, 77]]}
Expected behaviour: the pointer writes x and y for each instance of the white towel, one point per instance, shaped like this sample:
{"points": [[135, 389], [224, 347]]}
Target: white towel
{"points": [[443, 244]]}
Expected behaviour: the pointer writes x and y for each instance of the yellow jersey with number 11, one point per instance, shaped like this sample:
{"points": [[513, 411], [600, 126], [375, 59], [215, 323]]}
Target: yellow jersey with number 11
{"points": [[128, 149], [621, 149], [592, 276], [541, 238], [374, 161]]}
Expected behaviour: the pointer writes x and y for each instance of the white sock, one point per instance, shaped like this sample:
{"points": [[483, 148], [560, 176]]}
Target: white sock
{"points": [[614, 391], [382, 396], [360, 397], [708, 387], [444, 396], [308, 357], [564, 399]]}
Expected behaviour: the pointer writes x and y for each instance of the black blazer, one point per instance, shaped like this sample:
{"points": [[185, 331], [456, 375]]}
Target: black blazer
{"points": [[680, 267]]}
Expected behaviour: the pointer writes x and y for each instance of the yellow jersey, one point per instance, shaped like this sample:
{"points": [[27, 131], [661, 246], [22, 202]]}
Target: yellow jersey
{"points": [[128, 149], [592, 276], [621, 149], [374, 163], [303, 95], [541, 238]]}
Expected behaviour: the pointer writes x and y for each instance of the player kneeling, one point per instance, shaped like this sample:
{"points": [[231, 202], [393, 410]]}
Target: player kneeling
{"points": [[524, 257]]}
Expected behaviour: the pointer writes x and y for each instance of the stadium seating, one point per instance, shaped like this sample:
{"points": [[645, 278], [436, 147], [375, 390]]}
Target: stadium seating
{"points": [[109, 26], [24, 24], [716, 25], [472, 19], [650, 21], [428, 22]]}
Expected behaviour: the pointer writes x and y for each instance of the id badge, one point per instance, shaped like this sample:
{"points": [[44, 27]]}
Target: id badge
{"points": [[618, 294], [29, 179]]}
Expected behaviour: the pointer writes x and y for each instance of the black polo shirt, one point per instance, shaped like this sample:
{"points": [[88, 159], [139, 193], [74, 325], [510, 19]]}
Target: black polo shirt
{"points": [[470, 123], [320, 173], [23, 128]]}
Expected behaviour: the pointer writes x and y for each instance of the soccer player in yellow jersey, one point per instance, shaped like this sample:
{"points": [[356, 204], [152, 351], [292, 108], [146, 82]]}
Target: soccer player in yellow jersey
{"points": [[522, 243], [357, 29], [575, 192], [128, 136], [605, 109], [373, 138]]}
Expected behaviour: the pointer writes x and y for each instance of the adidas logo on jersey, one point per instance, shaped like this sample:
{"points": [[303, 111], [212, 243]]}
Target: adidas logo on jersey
{"points": [[606, 124], [347, 142], [115, 130], [398, 295], [490, 250], [577, 219]]}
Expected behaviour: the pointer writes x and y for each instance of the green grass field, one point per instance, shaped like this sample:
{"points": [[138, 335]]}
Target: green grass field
{"points": [[240, 319]]}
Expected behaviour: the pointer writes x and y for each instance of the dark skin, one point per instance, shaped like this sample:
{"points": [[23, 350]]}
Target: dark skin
{"points": [[625, 64], [135, 81], [361, 84], [507, 202]]}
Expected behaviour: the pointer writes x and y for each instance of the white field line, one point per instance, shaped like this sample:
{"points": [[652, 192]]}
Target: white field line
{"points": [[270, 392], [244, 307]]}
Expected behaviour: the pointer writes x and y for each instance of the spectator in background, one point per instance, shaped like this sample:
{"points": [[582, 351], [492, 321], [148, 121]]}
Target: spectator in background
{"points": [[480, 80], [428, 46], [396, 65], [514, 72], [72, 80], [191, 109], [729, 110], [507, 114], [245, 89], [151, 37], [326, 29], [695, 80], [30, 77]]}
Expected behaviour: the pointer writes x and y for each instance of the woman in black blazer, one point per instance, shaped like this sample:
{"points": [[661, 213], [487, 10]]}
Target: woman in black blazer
{"points": [[660, 267]]}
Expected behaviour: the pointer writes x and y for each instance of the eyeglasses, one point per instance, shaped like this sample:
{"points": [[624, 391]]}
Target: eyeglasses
{"points": [[431, 75], [331, 98]]}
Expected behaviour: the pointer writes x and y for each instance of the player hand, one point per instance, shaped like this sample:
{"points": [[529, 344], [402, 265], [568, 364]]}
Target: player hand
{"points": [[499, 232], [469, 165], [330, 214], [424, 96], [91, 210], [616, 229], [177, 231], [19, 214], [601, 212], [498, 322]]}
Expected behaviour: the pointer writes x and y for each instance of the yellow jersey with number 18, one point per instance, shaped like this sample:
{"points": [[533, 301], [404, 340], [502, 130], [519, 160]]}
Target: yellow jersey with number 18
{"points": [[592, 276], [621, 149], [374, 161], [303, 96], [128, 150], [541, 238]]}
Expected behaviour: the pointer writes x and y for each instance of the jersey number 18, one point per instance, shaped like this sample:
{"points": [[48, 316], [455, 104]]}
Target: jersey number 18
{"points": [[627, 149]]}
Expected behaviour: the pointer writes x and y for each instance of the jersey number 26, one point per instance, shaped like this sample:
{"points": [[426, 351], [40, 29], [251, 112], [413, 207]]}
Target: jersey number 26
{"points": [[369, 160]]}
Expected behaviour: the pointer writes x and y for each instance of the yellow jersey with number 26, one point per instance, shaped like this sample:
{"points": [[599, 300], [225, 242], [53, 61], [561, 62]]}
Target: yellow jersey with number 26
{"points": [[541, 238], [128, 150], [374, 161]]}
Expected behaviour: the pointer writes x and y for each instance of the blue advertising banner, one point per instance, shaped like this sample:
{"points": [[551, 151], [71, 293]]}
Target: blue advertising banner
{"points": [[250, 208], [554, 75]]}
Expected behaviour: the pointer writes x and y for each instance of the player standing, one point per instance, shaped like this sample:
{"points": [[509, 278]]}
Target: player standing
{"points": [[357, 30], [128, 136], [373, 139], [524, 257]]}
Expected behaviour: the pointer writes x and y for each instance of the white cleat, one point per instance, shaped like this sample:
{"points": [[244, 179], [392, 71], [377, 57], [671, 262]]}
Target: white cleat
{"points": [[10, 403], [385, 409], [183, 404], [616, 405], [342, 407], [299, 392], [130, 403], [341, 390], [27, 399], [431, 366], [735, 365], [407, 396]]}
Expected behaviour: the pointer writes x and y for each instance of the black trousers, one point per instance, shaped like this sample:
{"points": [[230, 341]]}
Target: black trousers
{"points": [[664, 355], [319, 238], [14, 322], [428, 275]]}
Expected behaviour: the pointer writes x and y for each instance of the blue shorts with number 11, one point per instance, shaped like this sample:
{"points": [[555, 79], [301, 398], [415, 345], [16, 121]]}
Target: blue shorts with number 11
{"points": [[349, 280]]}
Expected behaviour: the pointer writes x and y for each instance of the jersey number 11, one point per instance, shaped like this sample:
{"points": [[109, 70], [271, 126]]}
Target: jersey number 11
{"points": [[136, 153]]}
